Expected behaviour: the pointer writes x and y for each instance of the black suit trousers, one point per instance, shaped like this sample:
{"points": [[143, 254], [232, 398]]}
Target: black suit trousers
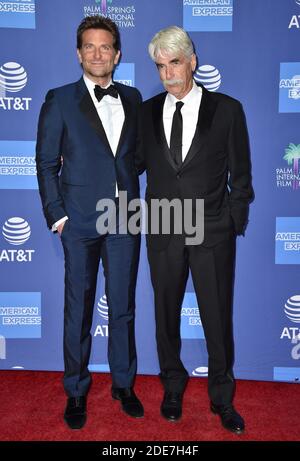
{"points": [[212, 270]]}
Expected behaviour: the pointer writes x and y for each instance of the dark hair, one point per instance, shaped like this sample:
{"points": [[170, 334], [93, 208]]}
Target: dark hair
{"points": [[99, 22]]}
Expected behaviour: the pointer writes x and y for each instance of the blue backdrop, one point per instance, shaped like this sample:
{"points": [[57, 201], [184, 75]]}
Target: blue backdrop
{"points": [[245, 48]]}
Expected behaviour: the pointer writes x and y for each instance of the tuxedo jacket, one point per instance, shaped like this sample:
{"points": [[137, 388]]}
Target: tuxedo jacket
{"points": [[217, 167], [75, 164]]}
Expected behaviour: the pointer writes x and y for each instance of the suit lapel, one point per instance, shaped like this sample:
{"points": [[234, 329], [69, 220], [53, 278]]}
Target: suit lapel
{"points": [[126, 107], [206, 114], [157, 118]]}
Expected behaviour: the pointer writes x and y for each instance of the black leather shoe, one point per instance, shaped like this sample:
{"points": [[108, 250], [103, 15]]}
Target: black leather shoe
{"points": [[230, 418], [75, 412], [129, 401], [171, 406]]}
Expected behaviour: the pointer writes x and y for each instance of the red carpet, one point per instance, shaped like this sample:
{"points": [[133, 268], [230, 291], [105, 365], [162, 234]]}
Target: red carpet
{"points": [[32, 405]]}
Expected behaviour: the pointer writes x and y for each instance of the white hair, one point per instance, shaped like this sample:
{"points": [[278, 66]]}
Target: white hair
{"points": [[172, 40]]}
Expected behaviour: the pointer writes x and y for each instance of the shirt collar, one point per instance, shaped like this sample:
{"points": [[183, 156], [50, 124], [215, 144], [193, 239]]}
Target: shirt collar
{"points": [[91, 85], [194, 92]]}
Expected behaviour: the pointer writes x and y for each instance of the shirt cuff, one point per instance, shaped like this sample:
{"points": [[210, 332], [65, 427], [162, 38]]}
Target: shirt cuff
{"points": [[57, 223]]}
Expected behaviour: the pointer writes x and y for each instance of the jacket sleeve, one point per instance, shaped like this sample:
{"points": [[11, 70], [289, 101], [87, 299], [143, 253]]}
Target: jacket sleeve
{"points": [[48, 158], [241, 193]]}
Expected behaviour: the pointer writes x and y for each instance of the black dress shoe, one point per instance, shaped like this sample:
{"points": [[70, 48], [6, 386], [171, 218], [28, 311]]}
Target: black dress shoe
{"points": [[230, 418], [171, 406], [129, 401], [75, 412]]}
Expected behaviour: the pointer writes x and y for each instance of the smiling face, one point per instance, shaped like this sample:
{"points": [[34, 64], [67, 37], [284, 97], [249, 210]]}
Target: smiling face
{"points": [[176, 73], [97, 55]]}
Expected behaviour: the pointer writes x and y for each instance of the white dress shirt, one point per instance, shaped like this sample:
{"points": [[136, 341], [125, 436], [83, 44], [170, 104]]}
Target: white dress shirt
{"points": [[189, 111], [111, 114]]}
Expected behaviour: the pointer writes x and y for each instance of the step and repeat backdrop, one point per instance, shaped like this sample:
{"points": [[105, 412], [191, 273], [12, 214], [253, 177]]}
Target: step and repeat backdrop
{"points": [[247, 49]]}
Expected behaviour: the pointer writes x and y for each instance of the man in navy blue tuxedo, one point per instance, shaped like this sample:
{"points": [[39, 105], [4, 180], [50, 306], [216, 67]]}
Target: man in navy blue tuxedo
{"points": [[85, 148]]}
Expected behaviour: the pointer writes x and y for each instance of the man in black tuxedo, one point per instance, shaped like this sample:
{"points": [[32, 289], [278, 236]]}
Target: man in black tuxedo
{"points": [[194, 145], [92, 126]]}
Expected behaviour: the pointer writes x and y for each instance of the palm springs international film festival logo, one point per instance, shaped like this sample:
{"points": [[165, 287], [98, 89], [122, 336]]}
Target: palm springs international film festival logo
{"points": [[16, 232], [207, 15], [289, 176], [13, 79], [19, 14], [122, 15], [209, 76], [289, 87]]}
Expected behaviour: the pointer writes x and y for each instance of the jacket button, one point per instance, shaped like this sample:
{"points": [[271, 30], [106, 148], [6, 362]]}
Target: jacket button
{"points": [[178, 176]]}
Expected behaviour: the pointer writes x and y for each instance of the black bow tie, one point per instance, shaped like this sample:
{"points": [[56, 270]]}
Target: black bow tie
{"points": [[100, 92]]}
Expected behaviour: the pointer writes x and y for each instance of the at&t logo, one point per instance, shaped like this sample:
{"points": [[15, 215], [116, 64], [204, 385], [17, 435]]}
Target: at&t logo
{"points": [[102, 308], [16, 231], [13, 79], [295, 21], [201, 372], [292, 311], [209, 76]]}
